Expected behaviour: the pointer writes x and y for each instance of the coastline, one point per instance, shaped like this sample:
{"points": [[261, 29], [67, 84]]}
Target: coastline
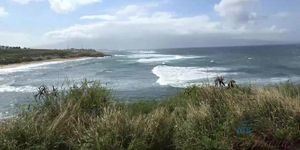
{"points": [[55, 60]]}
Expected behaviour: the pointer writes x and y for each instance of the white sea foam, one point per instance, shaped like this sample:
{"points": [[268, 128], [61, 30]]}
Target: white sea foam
{"points": [[276, 79], [185, 76], [150, 58], [166, 58], [137, 56], [5, 115], [145, 52], [119, 55], [21, 89], [37, 65]]}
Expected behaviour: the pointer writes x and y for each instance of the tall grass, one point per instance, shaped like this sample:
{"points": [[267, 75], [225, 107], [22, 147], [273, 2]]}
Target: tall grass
{"points": [[87, 117]]}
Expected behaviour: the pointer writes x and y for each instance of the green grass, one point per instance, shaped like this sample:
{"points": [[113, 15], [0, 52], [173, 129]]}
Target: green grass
{"points": [[12, 56], [197, 118]]}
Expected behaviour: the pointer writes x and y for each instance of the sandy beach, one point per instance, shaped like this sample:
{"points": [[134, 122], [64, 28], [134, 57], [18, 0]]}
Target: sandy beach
{"points": [[43, 62]]}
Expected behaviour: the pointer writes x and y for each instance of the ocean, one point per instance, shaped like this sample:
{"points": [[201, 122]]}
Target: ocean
{"points": [[153, 74]]}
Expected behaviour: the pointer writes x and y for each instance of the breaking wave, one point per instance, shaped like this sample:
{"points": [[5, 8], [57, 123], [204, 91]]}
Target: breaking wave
{"points": [[166, 58], [119, 55], [186, 76], [5, 115], [145, 52], [21, 89], [150, 58]]}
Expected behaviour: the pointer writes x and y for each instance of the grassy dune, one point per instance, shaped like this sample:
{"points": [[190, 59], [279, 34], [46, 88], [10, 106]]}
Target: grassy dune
{"points": [[87, 117], [13, 56]]}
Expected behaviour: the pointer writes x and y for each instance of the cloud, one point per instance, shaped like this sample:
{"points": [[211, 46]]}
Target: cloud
{"points": [[157, 23], [236, 11], [132, 10], [3, 12], [63, 6], [138, 20], [274, 28], [26, 1], [125, 13], [98, 17], [137, 26]]}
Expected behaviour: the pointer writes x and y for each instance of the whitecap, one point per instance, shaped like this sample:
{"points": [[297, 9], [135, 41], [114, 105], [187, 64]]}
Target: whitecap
{"points": [[166, 58], [276, 80], [136, 56], [186, 76], [119, 55], [149, 58], [21, 89], [146, 52], [4, 116]]}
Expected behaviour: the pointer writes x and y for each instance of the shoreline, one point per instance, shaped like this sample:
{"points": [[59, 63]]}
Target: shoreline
{"points": [[58, 60]]}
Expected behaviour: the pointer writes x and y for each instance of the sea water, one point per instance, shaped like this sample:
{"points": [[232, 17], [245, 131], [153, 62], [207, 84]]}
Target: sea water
{"points": [[152, 74]]}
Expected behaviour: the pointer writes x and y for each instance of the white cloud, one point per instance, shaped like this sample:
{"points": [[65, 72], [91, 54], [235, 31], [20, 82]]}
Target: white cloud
{"points": [[138, 27], [141, 26], [138, 20], [98, 17], [132, 10], [236, 11], [274, 28], [3, 12], [26, 1], [63, 6], [127, 12]]}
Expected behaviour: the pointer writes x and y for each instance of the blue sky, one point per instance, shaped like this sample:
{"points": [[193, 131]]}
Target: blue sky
{"points": [[126, 24]]}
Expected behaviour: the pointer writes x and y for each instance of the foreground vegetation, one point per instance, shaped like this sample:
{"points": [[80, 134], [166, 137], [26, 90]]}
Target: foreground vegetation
{"points": [[16, 55], [87, 117]]}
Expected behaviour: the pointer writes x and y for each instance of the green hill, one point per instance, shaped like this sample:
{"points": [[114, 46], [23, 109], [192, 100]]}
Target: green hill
{"points": [[17, 55]]}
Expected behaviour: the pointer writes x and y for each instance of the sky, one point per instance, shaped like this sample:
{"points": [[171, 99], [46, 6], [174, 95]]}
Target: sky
{"points": [[148, 24]]}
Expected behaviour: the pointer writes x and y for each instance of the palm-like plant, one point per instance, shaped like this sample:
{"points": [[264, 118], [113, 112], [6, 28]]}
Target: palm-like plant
{"points": [[231, 84], [219, 81], [42, 92]]}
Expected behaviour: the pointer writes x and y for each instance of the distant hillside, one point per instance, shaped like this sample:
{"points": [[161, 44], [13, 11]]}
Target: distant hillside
{"points": [[13, 55]]}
